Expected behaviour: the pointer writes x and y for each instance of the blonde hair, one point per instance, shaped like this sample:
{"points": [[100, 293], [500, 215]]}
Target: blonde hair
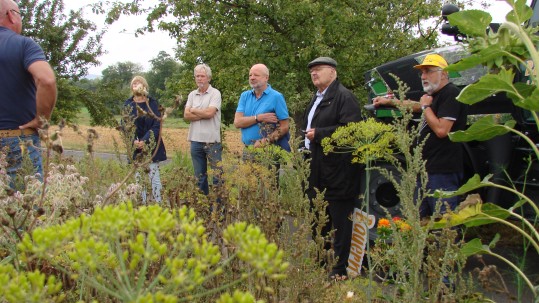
{"points": [[144, 83]]}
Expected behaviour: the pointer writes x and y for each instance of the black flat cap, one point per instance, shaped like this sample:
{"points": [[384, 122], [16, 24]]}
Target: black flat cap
{"points": [[322, 61]]}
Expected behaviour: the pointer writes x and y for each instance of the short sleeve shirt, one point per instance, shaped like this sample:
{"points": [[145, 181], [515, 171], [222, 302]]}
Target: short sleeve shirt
{"points": [[443, 155], [17, 87], [271, 101], [205, 130]]}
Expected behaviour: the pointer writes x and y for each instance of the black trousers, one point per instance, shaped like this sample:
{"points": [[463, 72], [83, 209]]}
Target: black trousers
{"points": [[340, 218]]}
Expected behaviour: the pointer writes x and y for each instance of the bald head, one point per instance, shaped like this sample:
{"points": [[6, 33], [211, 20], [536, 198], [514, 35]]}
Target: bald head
{"points": [[10, 15], [258, 77], [261, 68]]}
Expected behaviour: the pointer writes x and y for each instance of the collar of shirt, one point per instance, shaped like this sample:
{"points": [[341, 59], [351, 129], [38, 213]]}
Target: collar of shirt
{"points": [[265, 92], [207, 90]]}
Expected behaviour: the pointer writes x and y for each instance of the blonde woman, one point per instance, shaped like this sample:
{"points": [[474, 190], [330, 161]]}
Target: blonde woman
{"points": [[147, 127]]}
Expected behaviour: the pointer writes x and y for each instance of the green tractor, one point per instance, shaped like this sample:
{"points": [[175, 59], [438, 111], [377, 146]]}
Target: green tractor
{"points": [[504, 156]]}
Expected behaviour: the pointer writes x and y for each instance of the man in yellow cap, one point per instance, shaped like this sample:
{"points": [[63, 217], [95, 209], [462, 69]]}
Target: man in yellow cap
{"points": [[442, 114]]}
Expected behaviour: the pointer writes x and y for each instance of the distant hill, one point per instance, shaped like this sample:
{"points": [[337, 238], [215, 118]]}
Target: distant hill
{"points": [[92, 77]]}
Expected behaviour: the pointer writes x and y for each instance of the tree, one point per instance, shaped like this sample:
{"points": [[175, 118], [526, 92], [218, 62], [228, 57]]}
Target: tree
{"points": [[71, 43], [116, 80], [162, 68], [232, 35]]}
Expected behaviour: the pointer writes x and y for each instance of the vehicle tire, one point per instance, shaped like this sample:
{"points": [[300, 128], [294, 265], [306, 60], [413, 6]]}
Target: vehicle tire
{"points": [[383, 198]]}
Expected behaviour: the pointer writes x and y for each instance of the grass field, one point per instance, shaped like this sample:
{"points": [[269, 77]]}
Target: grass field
{"points": [[174, 134]]}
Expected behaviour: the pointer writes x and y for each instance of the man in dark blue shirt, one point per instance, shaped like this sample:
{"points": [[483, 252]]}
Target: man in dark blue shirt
{"points": [[27, 89]]}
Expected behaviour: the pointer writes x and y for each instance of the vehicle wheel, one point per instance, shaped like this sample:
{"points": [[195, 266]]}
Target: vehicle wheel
{"points": [[383, 198]]}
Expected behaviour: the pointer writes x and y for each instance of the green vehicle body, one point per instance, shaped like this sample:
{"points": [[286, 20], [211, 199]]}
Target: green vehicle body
{"points": [[504, 156]]}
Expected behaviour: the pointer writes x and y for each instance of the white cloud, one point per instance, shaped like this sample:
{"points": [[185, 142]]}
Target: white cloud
{"points": [[120, 42]]}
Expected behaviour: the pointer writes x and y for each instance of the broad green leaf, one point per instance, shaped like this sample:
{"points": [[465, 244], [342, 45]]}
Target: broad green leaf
{"points": [[520, 13], [531, 101], [483, 129], [495, 211], [474, 247], [492, 52], [471, 22], [472, 184], [518, 204], [487, 86], [460, 217]]}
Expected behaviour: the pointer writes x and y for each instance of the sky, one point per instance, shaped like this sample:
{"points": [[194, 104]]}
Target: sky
{"points": [[121, 44]]}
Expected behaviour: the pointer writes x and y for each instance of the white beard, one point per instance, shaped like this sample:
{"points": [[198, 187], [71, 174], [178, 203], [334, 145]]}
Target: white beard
{"points": [[430, 87]]}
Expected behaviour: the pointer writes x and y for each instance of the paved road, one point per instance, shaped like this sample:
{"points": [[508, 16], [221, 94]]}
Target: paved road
{"points": [[77, 154]]}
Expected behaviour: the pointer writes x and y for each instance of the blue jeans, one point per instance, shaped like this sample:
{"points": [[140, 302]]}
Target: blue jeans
{"points": [[155, 181], [14, 155], [201, 154], [446, 182]]}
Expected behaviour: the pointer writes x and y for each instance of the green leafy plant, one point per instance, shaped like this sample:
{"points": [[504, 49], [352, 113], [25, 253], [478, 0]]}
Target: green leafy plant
{"points": [[507, 53], [129, 254]]}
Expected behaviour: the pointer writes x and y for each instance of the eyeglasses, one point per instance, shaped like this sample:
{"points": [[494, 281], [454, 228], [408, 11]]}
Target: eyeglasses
{"points": [[15, 11], [428, 71]]}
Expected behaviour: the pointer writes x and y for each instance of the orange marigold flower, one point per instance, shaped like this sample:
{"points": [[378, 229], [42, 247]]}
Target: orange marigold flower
{"points": [[405, 226], [383, 223]]}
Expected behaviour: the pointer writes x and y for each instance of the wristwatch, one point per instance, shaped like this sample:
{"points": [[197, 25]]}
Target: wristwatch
{"points": [[424, 107]]}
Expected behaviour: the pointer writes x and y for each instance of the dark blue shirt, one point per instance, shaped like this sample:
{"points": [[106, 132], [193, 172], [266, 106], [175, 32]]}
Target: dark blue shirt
{"points": [[17, 87], [146, 126]]}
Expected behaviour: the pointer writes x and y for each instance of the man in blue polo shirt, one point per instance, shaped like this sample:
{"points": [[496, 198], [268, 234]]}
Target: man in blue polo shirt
{"points": [[262, 114], [27, 87]]}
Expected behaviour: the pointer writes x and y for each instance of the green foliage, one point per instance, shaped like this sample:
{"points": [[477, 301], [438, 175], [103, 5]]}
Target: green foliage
{"points": [[505, 52], [28, 286], [368, 140], [151, 249], [71, 43], [485, 128], [238, 297], [162, 68], [286, 35]]}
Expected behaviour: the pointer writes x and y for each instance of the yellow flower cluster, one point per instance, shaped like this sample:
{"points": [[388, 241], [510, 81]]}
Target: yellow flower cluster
{"points": [[367, 140]]}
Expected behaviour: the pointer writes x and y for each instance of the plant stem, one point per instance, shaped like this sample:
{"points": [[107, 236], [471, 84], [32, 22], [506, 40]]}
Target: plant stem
{"points": [[522, 274]]}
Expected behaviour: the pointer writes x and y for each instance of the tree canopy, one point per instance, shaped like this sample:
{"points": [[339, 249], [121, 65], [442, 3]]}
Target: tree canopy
{"points": [[71, 43], [232, 35]]}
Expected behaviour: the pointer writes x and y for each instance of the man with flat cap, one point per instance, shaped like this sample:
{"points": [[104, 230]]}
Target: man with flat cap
{"points": [[442, 114], [332, 106]]}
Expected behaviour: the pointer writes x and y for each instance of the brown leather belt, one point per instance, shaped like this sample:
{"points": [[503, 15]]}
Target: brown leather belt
{"points": [[9, 133]]}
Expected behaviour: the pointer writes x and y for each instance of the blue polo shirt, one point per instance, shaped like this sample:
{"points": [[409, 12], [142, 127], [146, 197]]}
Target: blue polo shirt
{"points": [[271, 101]]}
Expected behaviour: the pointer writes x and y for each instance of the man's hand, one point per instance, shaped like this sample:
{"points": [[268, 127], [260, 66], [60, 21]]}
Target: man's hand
{"points": [[267, 117], [34, 123], [309, 134], [381, 101], [425, 100]]}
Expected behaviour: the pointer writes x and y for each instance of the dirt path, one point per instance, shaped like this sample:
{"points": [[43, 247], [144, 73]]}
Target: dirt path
{"points": [[175, 139]]}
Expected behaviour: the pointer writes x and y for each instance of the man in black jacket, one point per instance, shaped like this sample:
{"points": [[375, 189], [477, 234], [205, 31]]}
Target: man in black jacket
{"points": [[332, 106]]}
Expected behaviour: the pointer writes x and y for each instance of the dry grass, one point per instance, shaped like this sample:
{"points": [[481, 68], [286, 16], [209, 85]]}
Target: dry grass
{"points": [[175, 139]]}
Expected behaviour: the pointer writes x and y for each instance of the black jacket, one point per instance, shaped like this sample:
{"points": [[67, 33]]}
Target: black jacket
{"points": [[333, 172]]}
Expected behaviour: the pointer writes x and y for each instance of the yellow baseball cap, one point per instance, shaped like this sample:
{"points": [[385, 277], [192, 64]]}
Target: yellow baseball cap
{"points": [[432, 60]]}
